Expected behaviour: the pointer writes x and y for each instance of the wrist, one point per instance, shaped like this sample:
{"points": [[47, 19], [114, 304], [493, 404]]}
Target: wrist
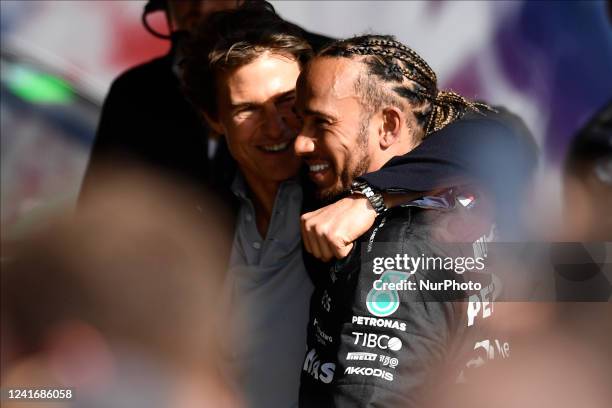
{"points": [[374, 197], [363, 203]]}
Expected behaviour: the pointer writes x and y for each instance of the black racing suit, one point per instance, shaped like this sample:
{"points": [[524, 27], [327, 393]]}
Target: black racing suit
{"points": [[369, 347]]}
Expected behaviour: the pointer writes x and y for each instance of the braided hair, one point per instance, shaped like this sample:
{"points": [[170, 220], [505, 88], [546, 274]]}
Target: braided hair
{"points": [[408, 76]]}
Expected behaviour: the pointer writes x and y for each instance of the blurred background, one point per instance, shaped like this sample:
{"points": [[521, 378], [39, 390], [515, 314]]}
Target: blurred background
{"points": [[550, 62]]}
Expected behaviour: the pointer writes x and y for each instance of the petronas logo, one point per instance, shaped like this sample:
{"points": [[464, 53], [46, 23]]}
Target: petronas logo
{"points": [[383, 303]]}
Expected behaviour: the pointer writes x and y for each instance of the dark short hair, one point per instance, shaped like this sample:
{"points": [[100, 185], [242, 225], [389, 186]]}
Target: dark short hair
{"points": [[231, 39]]}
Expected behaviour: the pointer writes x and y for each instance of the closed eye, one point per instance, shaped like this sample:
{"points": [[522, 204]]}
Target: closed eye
{"points": [[319, 118], [244, 109], [319, 121]]}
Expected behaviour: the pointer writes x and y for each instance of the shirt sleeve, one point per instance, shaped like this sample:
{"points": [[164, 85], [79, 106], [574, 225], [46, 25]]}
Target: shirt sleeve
{"points": [[464, 152]]}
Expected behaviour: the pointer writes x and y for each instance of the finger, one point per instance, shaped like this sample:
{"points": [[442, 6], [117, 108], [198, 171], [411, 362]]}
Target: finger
{"points": [[310, 238], [331, 243], [325, 247], [317, 252], [305, 234]]}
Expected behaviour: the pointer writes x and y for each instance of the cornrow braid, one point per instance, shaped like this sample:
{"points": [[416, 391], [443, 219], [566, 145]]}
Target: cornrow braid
{"points": [[416, 58], [449, 106], [393, 62], [414, 73]]}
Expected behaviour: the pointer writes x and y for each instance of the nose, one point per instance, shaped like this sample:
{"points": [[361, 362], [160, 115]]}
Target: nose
{"points": [[273, 125], [304, 145]]}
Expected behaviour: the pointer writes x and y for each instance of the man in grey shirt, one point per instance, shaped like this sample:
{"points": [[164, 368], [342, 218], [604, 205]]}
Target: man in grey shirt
{"points": [[241, 71], [268, 283]]}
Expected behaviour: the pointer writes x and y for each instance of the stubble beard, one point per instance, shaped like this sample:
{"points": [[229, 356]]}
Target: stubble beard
{"points": [[356, 166]]}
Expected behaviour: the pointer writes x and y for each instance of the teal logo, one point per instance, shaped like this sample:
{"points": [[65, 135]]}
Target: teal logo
{"points": [[383, 303]]}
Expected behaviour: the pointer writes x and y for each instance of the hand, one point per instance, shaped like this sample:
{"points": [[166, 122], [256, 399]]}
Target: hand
{"points": [[330, 231]]}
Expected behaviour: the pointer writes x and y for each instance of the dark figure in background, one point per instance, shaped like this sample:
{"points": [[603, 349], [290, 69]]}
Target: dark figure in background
{"points": [[579, 260], [587, 179], [145, 117]]}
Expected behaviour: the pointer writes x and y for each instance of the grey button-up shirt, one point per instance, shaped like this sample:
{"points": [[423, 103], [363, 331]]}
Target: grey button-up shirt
{"points": [[268, 284]]}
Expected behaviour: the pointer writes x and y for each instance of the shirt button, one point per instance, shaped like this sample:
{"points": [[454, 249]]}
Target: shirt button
{"points": [[249, 218], [256, 245]]}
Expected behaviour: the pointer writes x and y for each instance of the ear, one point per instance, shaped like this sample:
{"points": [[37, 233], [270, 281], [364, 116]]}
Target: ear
{"points": [[391, 128], [214, 123]]}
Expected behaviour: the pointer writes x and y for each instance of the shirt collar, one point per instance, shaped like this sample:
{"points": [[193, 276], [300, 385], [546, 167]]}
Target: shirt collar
{"points": [[240, 188]]}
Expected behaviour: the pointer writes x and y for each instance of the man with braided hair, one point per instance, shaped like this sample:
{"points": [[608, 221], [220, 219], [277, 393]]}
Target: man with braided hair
{"points": [[379, 332], [395, 76]]}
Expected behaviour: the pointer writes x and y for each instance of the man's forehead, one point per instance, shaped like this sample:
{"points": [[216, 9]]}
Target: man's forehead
{"points": [[268, 74], [327, 87], [330, 76]]}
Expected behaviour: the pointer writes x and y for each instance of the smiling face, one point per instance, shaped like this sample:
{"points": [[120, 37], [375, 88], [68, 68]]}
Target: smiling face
{"points": [[338, 138], [255, 114]]}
